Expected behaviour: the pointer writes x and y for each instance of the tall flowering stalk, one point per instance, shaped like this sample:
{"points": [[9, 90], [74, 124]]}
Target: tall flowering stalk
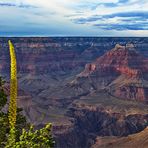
{"points": [[13, 95], [13, 87]]}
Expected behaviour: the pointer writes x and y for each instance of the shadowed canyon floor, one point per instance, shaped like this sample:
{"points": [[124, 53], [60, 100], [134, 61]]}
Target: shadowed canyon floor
{"points": [[90, 88]]}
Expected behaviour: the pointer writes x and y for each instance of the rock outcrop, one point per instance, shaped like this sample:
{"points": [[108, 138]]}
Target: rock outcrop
{"points": [[122, 71]]}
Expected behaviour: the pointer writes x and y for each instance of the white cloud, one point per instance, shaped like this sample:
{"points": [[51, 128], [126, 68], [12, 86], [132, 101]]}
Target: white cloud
{"points": [[51, 14]]}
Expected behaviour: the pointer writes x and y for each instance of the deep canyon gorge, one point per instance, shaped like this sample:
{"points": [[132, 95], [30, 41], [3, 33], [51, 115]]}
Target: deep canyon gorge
{"points": [[93, 90]]}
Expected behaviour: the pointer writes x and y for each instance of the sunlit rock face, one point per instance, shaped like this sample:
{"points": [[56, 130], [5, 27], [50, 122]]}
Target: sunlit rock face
{"points": [[134, 140], [122, 71]]}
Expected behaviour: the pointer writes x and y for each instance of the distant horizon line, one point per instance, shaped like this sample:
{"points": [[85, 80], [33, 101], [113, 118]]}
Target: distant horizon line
{"points": [[71, 36]]}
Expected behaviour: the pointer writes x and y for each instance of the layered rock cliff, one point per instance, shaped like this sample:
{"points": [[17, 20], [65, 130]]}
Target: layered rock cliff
{"points": [[121, 71], [59, 55]]}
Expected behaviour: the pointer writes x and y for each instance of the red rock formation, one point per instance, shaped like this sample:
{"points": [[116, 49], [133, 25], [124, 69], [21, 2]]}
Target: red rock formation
{"points": [[122, 71]]}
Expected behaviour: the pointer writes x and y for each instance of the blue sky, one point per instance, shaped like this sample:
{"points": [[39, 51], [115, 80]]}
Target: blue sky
{"points": [[74, 18]]}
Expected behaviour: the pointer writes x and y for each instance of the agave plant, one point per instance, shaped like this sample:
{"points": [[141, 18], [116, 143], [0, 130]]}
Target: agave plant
{"points": [[13, 95]]}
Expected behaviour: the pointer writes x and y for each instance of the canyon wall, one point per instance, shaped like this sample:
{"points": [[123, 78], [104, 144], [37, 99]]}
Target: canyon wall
{"points": [[59, 55]]}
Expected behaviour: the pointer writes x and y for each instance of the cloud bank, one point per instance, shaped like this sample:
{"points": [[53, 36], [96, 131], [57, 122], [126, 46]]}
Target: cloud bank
{"points": [[78, 18]]}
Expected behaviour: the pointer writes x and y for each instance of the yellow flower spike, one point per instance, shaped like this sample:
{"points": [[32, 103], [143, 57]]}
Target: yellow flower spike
{"points": [[13, 87]]}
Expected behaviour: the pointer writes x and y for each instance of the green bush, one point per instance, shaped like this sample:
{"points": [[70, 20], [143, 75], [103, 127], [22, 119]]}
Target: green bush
{"points": [[3, 96], [36, 139]]}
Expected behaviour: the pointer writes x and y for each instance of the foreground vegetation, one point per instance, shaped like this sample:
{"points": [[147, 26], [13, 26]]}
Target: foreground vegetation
{"points": [[15, 132]]}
